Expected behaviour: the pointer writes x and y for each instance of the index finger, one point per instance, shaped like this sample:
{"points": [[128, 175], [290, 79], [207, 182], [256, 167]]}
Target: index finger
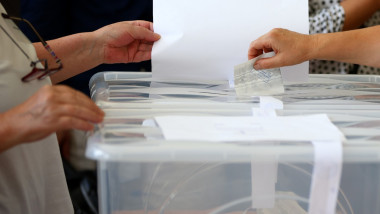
{"points": [[69, 95], [253, 51], [259, 46]]}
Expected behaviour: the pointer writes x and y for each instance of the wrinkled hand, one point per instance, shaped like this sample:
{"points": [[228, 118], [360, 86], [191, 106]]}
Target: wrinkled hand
{"points": [[290, 47], [129, 41], [51, 109]]}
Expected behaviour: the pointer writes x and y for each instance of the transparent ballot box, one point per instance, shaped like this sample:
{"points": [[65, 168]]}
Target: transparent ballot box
{"points": [[141, 172]]}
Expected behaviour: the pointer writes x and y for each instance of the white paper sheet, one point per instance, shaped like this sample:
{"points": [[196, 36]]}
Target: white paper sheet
{"points": [[215, 128], [204, 39]]}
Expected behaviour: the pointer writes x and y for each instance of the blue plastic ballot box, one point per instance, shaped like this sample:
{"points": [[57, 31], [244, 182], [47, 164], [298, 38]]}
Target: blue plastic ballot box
{"points": [[141, 172]]}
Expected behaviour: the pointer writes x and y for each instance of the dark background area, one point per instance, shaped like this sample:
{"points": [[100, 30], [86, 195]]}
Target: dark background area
{"points": [[11, 6]]}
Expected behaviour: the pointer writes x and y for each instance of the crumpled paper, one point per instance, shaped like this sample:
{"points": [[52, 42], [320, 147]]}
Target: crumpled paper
{"points": [[250, 82]]}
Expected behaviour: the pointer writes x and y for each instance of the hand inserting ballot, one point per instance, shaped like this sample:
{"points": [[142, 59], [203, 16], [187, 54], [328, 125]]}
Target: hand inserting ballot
{"points": [[290, 49], [356, 46]]}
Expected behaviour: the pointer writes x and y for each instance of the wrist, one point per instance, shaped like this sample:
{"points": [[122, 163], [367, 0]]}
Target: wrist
{"points": [[94, 49], [312, 46]]}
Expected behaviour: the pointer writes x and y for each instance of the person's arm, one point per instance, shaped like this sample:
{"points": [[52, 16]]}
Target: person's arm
{"points": [[358, 11], [357, 46], [51, 109], [121, 42], [347, 15]]}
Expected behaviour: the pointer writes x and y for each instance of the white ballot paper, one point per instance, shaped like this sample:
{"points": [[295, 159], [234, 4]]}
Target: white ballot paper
{"points": [[251, 82], [223, 128], [205, 39]]}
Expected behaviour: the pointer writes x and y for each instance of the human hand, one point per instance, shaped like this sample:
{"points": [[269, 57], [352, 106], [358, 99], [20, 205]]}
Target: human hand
{"points": [[51, 109], [290, 48], [125, 42]]}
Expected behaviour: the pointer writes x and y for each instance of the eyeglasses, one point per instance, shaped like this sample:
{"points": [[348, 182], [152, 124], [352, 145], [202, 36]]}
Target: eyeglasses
{"points": [[36, 73]]}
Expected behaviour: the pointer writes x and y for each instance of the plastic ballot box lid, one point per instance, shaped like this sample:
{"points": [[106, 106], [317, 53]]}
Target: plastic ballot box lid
{"points": [[132, 100]]}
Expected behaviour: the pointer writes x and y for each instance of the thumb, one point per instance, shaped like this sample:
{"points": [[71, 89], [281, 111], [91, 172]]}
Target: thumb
{"points": [[142, 33], [268, 63]]}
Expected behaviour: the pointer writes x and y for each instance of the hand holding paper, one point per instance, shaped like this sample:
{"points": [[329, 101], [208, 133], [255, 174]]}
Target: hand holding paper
{"points": [[291, 48]]}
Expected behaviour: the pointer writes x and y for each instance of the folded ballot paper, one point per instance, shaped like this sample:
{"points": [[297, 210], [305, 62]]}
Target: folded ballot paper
{"points": [[251, 82]]}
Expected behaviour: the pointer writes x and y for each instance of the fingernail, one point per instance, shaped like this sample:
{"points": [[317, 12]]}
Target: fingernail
{"points": [[158, 36]]}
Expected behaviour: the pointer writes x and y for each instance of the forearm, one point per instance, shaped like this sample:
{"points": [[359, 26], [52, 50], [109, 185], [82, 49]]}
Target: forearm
{"points": [[357, 46], [78, 53], [358, 11]]}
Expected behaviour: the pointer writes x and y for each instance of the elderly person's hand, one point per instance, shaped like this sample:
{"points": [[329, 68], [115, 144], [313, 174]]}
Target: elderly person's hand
{"points": [[51, 109], [122, 42], [125, 42]]}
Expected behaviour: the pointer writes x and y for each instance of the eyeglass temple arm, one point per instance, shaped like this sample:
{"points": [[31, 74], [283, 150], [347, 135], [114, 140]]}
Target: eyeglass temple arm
{"points": [[6, 16], [45, 44]]}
